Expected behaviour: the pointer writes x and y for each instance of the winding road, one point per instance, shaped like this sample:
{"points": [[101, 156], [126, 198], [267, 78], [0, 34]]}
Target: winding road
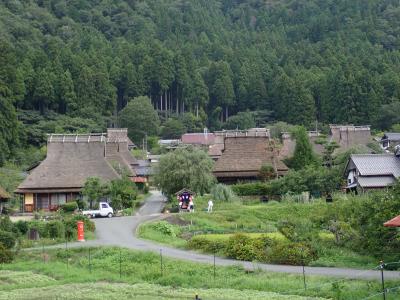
{"points": [[121, 232]]}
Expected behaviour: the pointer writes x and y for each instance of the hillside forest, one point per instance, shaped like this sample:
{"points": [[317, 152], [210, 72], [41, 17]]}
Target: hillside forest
{"points": [[73, 66]]}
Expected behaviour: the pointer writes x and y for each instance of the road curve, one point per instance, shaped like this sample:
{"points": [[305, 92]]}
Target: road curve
{"points": [[121, 232]]}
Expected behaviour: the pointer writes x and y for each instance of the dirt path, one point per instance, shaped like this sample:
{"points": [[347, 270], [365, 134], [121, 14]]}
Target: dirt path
{"points": [[121, 232]]}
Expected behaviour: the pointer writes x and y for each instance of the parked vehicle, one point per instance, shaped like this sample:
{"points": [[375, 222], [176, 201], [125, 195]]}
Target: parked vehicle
{"points": [[104, 210]]}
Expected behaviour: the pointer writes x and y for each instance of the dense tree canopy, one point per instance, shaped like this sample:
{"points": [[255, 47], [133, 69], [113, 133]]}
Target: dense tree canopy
{"points": [[140, 118], [298, 60], [185, 168]]}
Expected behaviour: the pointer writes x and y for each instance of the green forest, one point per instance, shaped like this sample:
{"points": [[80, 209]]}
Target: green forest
{"points": [[72, 66]]}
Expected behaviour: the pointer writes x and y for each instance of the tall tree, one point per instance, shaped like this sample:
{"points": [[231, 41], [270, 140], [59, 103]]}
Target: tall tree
{"points": [[140, 118], [303, 155]]}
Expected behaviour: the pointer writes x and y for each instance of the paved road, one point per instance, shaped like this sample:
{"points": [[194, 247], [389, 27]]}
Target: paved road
{"points": [[121, 232]]}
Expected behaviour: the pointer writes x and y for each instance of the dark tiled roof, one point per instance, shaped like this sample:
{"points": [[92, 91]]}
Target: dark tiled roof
{"points": [[391, 136], [376, 164]]}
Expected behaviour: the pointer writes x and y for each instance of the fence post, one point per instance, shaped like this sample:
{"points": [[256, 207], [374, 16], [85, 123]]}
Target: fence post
{"points": [[214, 264], [382, 266], [90, 263], [44, 259], [304, 278], [161, 263], [120, 264]]}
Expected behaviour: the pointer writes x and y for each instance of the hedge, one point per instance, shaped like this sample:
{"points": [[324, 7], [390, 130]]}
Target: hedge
{"points": [[252, 189]]}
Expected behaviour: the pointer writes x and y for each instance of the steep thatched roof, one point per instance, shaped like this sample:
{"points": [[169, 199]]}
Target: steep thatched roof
{"points": [[4, 194], [68, 165], [244, 157]]}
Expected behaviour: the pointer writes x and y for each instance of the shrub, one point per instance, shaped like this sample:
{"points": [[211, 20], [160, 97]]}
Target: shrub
{"points": [[222, 192], [297, 231], [165, 228], [252, 189], [292, 254], [41, 228], [6, 256], [206, 245], [6, 224], [56, 229], [239, 246], [7, 239], [69, 207], [22, 226]]}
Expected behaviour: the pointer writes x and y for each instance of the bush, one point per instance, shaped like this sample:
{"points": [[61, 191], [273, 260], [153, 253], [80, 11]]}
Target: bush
{"points": [[22, 226], [6, 256], [297, 231], [69, 207], [165, 228], [206, 245], [240, 246], [252, 189], [292, 254], [6, 224], [7, 239], [222, 192], [56, 229], [41, 228]]}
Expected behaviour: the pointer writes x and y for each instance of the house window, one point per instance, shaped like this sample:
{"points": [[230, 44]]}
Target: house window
{"points": [[62, 198]]}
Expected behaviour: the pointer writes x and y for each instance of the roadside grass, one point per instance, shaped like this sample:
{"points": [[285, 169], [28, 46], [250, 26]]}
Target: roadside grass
{"points": [[254, 218], [26, 243], [63, 272]]}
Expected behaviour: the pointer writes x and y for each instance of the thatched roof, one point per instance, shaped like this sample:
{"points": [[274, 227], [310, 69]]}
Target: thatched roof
{"points": [[68, 165], [4, 194], [244, 157]]}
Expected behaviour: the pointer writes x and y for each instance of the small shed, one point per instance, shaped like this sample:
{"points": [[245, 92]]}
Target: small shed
{"points": [[395, 222], [4, 196], [184, 196]]}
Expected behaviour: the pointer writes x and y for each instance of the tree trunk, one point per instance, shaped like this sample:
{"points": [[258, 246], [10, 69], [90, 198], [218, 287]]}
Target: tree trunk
{"points": [[161, 101], [226, 113], [197, 109]]}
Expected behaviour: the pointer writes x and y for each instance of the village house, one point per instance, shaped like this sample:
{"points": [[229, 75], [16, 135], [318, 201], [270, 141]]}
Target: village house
{"points": [[4, 197], [70, 160], [243, 155], [371, 171], [390, 140]]}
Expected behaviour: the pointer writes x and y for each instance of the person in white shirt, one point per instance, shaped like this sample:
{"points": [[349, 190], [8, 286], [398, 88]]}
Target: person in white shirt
{"points": [[210, 206]]}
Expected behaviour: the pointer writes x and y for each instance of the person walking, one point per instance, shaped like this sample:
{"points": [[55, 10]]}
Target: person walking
{"points": [[210, 206]]}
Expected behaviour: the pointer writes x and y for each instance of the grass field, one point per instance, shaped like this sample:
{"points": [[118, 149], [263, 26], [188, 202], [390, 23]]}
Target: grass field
{"points": [[253, 217], [68, 275]]}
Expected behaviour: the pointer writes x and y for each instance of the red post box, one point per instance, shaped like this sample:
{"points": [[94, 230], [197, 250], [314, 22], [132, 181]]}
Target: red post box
{"points": [[81, 232]]}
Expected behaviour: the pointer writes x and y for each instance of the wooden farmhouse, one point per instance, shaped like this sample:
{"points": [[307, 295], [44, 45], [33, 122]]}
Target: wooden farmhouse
{"points": [[371, 171], [243, 155], [390, 140], [70, 160]]}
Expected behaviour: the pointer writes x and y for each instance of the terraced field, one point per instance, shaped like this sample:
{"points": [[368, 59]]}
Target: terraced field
{"points": [[12, 282]]}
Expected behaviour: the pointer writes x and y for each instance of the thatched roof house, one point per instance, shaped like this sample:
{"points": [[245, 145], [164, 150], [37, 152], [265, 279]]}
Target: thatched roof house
{"points": [[243, 157], [70, 160]]}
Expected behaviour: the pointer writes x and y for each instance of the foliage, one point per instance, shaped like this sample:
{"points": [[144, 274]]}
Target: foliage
{"points": [[267, 172], [185, 168], [123, 193], [93, 190], [252, 189], [165, 228], [69, 207], [172, 129], [56, 229], [140, 118], [242, 120], [303, 155], [292, 254], [7, 239], [6, 255], [222, 192]]}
